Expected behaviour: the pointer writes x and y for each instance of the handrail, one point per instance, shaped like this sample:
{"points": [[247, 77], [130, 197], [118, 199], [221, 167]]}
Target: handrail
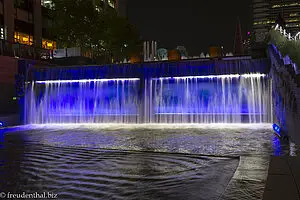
{"points": [[287, 35], [18, 50]]}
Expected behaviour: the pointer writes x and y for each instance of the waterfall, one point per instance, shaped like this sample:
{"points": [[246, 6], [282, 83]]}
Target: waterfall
{"points": [[222, 99], [110, 101], [203, 99]]}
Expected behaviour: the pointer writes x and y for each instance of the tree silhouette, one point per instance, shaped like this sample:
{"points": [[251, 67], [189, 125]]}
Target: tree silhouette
{"points": [[93, 25]]}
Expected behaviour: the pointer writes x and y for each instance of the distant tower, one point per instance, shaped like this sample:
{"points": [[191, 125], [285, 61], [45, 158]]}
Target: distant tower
{"points": [[238, 48]]}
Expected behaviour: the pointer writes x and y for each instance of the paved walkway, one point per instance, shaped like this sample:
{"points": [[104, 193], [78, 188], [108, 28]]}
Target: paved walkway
{"points": [[283, 182]]}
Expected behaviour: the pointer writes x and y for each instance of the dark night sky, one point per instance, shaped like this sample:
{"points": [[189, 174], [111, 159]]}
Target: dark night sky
{"points": [[195, 24]]}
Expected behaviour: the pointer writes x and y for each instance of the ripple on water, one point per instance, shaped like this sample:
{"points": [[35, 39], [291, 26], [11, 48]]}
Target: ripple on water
{"points": [[80, 173], [68, 160]]}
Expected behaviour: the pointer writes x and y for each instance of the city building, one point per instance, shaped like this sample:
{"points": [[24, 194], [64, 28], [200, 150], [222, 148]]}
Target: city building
{"points": [[267, 12], [260, 19], [26, 22], [289, 10]]}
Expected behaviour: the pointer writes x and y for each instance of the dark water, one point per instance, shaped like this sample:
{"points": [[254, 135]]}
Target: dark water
{"points": [[75, 162], [82, 173]]}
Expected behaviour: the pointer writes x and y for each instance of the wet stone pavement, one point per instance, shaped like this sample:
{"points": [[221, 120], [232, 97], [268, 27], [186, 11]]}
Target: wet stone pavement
{"points": [[139, 161]]}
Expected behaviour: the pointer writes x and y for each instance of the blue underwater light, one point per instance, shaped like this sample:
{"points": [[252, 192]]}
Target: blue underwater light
{"points": [[1, 124], [277, 129]]}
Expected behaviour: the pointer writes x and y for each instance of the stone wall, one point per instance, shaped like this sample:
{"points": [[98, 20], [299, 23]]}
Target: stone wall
{"points": [[286, 93], [8, 70], [152, 69]]}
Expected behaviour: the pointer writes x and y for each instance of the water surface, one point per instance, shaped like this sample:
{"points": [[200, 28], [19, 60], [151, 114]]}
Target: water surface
{"points": [[153, 161]]}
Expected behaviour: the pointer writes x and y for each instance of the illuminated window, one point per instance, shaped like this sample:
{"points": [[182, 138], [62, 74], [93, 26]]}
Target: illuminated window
{"points": [[1, 33], [23, 38], [48, 44], [264, 22], [285, 5], [292, 25], [293, 14], [293, 20]]}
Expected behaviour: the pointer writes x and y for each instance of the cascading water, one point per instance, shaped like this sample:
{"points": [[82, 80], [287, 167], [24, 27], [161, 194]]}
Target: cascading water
{"points": [[102, 101], [203, 99], [212, 99]]}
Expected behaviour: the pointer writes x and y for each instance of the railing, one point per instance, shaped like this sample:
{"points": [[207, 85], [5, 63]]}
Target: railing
{"points": [[23, 51], [287, 35], [288, 45]]}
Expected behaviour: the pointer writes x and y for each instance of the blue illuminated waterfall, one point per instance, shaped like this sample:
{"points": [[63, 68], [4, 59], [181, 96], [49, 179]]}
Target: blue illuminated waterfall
{"points": [[103, 101], [219, 99], [203, 99]]}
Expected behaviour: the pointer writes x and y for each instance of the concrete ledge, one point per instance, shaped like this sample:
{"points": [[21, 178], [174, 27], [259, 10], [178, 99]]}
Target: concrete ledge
{"points": [[249, 179]]}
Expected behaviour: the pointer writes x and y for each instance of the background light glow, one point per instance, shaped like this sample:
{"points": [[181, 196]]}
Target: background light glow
{"points": [[214, 76], [87, 80]]}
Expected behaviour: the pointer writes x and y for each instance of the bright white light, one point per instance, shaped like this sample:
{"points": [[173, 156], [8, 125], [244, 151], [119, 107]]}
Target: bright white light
{"points": [[1, 33], [162, 78], [152, 126], [281, 29], [213, 76], [287, 35], [253, 75], [187, 113], [87, 80]]}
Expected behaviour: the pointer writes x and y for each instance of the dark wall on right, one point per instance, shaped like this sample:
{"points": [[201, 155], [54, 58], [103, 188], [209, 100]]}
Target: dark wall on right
{"points": [[286, 94], [8, 70]]}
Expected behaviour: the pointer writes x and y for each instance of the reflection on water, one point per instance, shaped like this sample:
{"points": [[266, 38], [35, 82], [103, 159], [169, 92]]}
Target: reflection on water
{"points": [[74, 161], [207, 139], [277, 146], [81, 173]]}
